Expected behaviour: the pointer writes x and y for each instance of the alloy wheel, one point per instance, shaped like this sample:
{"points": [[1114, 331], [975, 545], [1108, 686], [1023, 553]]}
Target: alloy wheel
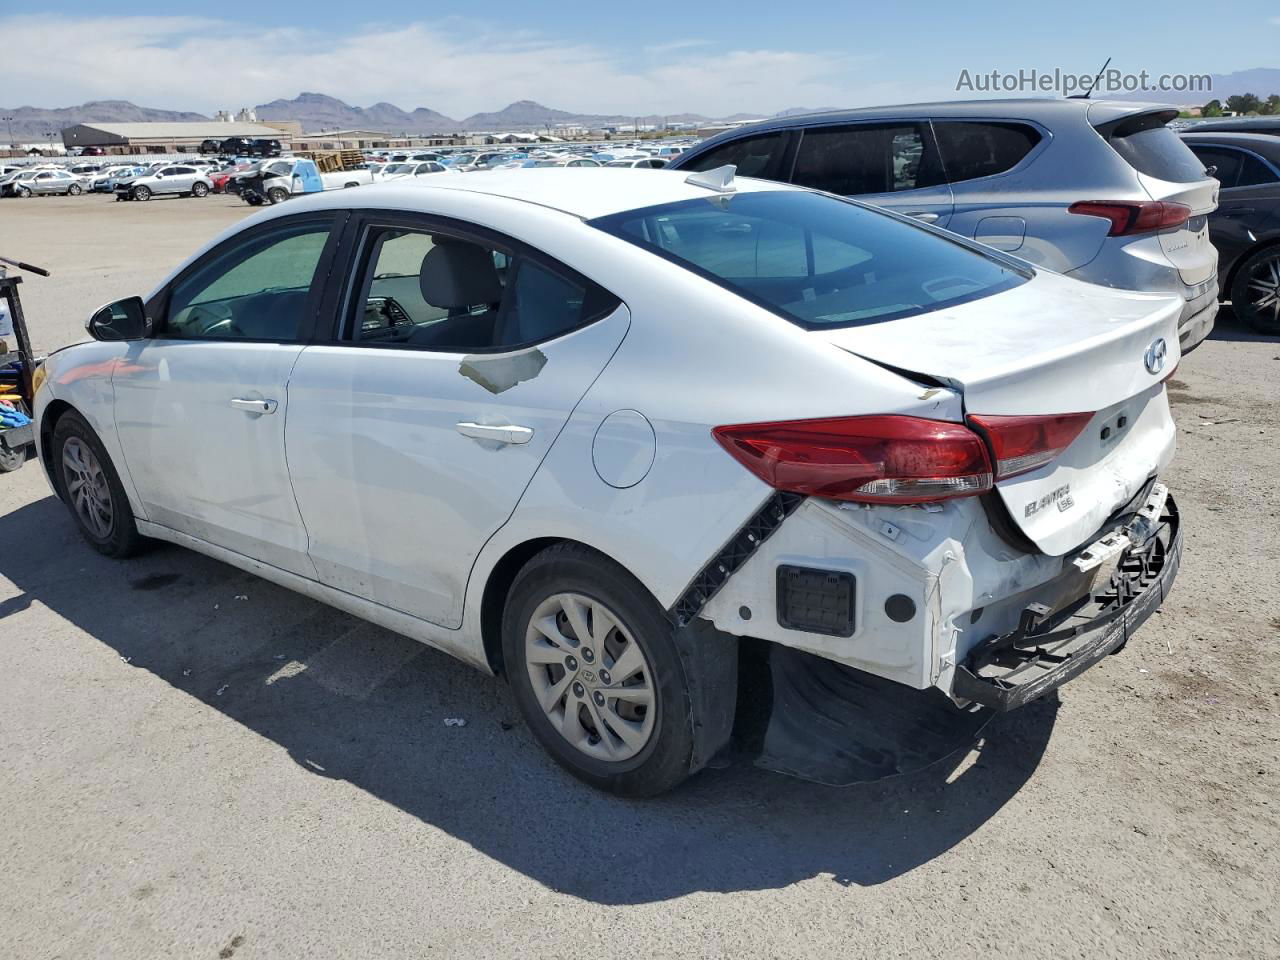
{"points": [[86, 484], [1263, 287], [591, 677]]}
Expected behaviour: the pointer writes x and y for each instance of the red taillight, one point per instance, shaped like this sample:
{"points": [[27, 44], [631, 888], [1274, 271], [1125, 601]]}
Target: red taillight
{"points": [[1128, 218], [1021, 444], [873, 459]]}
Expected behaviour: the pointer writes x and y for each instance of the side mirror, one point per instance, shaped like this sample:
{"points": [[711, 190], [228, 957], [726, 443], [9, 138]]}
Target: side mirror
{"points": [[123, 320]]}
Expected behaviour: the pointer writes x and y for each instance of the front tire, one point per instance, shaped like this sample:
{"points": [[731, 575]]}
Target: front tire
{"points": [[1255, 291], [90, 487], [142, 193], [277, 194], [593, 667], [24, 192]]}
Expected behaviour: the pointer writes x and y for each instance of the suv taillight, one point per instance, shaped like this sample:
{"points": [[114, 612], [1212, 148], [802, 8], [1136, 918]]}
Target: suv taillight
{"points": [[872, 459], [1021, 444], [1129, 218]]}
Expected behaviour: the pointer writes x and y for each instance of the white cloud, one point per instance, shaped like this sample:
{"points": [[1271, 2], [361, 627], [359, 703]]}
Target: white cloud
{"points": [[454, 66]]}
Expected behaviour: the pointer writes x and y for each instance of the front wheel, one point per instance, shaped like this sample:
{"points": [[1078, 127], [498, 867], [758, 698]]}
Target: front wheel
{"points": [[1255, 291], [277, 194], [142, 193], [594, 669], [24, 192], [91, 488], [199, 190]]}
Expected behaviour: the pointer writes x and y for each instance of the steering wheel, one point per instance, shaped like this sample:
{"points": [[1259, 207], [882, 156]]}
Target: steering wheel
{"points": [[208, 318]]}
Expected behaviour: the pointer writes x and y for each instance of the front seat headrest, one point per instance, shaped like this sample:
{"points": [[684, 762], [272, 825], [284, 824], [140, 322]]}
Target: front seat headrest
{"points": [[459, 274]]}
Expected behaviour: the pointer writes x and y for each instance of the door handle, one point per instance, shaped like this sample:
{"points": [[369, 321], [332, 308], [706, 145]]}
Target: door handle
{"points": [[507, 433], [254, 406], [924, 216]]}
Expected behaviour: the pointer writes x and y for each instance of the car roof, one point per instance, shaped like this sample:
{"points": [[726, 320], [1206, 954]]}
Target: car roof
{"points": [[1266, 144], [585, 192], [1027, 108]]}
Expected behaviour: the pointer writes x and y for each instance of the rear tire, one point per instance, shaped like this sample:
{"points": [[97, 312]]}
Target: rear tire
{"points": [[88, 484], [1255, 291], [199, 190], [74, 190], [611, 707]]}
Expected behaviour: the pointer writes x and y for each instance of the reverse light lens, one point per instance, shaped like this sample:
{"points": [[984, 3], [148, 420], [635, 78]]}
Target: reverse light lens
{"points": [[872, 459], [1129, 218], [1021, 444]]}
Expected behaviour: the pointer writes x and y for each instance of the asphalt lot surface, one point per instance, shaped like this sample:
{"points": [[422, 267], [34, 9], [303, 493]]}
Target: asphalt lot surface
{"points": [[196, 763]]}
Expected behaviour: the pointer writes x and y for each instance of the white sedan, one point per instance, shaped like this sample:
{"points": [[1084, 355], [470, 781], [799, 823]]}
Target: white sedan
{"points": [[691, 461]]}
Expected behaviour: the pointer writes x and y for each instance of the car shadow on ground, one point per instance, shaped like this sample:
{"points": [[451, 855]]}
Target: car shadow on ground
{"points": [[1227, 326], [354, 702]]}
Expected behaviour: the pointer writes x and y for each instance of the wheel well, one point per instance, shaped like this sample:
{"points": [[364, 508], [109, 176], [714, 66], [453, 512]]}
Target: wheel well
{"points": [[1240, 260], [52, 414], [496, 589]]}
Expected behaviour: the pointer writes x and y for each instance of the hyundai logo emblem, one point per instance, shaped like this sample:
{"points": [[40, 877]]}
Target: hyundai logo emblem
{"points": [[1155, 355]]}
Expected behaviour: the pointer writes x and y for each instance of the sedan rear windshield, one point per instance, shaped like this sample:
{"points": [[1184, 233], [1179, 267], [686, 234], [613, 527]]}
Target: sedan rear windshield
{"points": [[817, 260]]}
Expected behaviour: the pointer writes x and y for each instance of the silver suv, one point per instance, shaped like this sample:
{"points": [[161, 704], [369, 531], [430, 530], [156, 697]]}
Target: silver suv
{"points": [[1100, 190]]}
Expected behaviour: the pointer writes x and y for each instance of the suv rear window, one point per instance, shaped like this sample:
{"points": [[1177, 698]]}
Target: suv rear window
{"points": [[816, 260], [1150, 147], [971, 149]]}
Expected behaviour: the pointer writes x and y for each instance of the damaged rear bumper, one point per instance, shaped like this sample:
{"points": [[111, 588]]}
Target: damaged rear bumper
{"points": [[1009, 671]]}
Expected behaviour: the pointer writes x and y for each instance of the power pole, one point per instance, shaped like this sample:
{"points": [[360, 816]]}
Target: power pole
{"points": [[9, 121]]}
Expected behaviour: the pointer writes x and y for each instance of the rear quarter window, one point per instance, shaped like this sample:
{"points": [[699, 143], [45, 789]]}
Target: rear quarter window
{"points": [[972, 149]]}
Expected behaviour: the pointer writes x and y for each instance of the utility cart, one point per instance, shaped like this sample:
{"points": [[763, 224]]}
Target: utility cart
{"points": [[17, 366]]}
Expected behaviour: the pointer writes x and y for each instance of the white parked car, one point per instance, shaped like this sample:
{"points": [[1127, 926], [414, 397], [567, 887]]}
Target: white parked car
{"points": [[641, 163], [413, 168], [590, 430], [177, 179]]}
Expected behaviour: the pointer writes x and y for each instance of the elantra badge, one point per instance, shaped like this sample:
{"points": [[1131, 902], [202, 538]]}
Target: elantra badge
{"points": [[1154, 358]]}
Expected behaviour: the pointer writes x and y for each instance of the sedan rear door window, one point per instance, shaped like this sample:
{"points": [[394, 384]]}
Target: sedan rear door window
{"points": [[440, 291]]}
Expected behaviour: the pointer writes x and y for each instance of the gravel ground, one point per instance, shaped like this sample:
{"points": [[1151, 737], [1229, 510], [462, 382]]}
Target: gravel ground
{"points": [[195, 763]]}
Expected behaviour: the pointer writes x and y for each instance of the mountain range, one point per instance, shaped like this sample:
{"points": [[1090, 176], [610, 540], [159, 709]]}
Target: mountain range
{"points": [[317, 112]]}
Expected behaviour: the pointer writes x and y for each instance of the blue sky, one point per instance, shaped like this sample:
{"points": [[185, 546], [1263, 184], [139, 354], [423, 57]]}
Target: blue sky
{"points": [[601, 56]]}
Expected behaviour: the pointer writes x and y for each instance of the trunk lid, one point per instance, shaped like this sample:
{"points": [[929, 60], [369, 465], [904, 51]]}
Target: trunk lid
{"points": [[1188, 247], [1051, 346]]}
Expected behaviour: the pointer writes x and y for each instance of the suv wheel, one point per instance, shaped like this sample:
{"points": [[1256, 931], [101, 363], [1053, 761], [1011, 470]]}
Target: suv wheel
{"points": [[24, 191], [277, 194], [1255, 291], [593, 666]]}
